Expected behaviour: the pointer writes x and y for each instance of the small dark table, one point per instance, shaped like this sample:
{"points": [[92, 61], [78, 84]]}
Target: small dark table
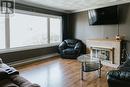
{"points": [[89, 64]]}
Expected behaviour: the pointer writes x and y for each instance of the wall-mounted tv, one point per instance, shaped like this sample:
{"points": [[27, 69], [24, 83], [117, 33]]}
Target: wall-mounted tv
{"points": [[103, 16]]}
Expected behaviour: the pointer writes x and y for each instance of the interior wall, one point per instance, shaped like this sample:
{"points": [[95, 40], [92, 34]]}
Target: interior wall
{"points": [[25, 54], [80, 28]]}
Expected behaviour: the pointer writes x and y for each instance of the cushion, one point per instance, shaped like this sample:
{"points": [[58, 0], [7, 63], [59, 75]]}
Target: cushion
{"points": [[3, 75], [7, 83], [69, 51], [71, 43], [22, 82]]}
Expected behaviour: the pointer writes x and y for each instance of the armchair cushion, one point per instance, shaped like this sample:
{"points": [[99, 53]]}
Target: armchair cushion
{"points": [[71, 43], [69, 51]]}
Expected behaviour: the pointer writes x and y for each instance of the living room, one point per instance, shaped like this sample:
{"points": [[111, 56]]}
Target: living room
{"points": [[59, 43]]}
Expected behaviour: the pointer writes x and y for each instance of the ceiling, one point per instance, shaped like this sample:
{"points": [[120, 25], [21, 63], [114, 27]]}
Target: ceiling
{"points": [[70, 6]]}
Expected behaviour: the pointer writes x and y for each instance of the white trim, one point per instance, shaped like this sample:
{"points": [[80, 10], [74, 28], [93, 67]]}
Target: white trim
{"points": [[61, 34], [7, 31], [27, 48], [48, 31], [29, 60], [61, 31]]}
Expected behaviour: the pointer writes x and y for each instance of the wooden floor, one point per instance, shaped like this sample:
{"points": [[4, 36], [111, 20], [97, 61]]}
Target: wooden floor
{"points": [[57, 72]]}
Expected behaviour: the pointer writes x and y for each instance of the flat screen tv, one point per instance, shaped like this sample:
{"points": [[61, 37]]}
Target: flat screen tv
{"points": [[103, 16]]}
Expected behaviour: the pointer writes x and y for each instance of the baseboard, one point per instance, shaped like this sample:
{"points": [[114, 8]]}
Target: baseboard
{"points": [[29, 60]]}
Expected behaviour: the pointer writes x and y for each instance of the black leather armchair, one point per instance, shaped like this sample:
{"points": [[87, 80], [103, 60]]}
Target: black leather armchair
{"points": [[70, 48], [120, 77]]}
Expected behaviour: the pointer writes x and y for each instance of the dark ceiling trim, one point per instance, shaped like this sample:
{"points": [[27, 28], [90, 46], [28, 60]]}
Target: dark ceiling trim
{"points": [[37, 9]]}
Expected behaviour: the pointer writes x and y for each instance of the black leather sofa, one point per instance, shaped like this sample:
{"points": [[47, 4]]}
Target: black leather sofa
{"points": [[70, 48], [120, 77]]}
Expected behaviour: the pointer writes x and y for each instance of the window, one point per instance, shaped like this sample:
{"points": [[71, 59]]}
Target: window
{"points": [[2, 32], [27, 30], [55, 30], [30, 29]]}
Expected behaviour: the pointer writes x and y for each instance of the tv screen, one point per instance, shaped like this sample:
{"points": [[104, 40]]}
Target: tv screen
{"points": [[103, 16]]}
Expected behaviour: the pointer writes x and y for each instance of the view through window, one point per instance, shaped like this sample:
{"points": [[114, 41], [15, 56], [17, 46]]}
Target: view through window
{"points": [[55, 30], [30, 30], [27, 30], [2, 32]]}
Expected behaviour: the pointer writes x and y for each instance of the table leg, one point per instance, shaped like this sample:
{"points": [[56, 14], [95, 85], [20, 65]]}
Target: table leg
{"points": [[100, 73], [82, 71], [81, 75], [100, 70]]}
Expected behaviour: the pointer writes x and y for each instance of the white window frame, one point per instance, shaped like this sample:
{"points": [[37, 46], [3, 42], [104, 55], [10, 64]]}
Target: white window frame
{"points": [[7, 32]]}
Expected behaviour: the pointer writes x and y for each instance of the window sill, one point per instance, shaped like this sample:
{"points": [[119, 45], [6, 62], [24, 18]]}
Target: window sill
{"points": [[27, 48]]}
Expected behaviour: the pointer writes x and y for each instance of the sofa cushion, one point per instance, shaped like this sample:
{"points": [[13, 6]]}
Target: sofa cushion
{"points": [[7, 83], [22, 82]]}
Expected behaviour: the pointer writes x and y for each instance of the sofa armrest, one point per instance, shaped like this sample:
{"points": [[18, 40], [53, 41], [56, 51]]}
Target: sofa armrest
{"points": [[125, 64], [118, 74], [3, 75], [6, 71], [22, 82]]}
